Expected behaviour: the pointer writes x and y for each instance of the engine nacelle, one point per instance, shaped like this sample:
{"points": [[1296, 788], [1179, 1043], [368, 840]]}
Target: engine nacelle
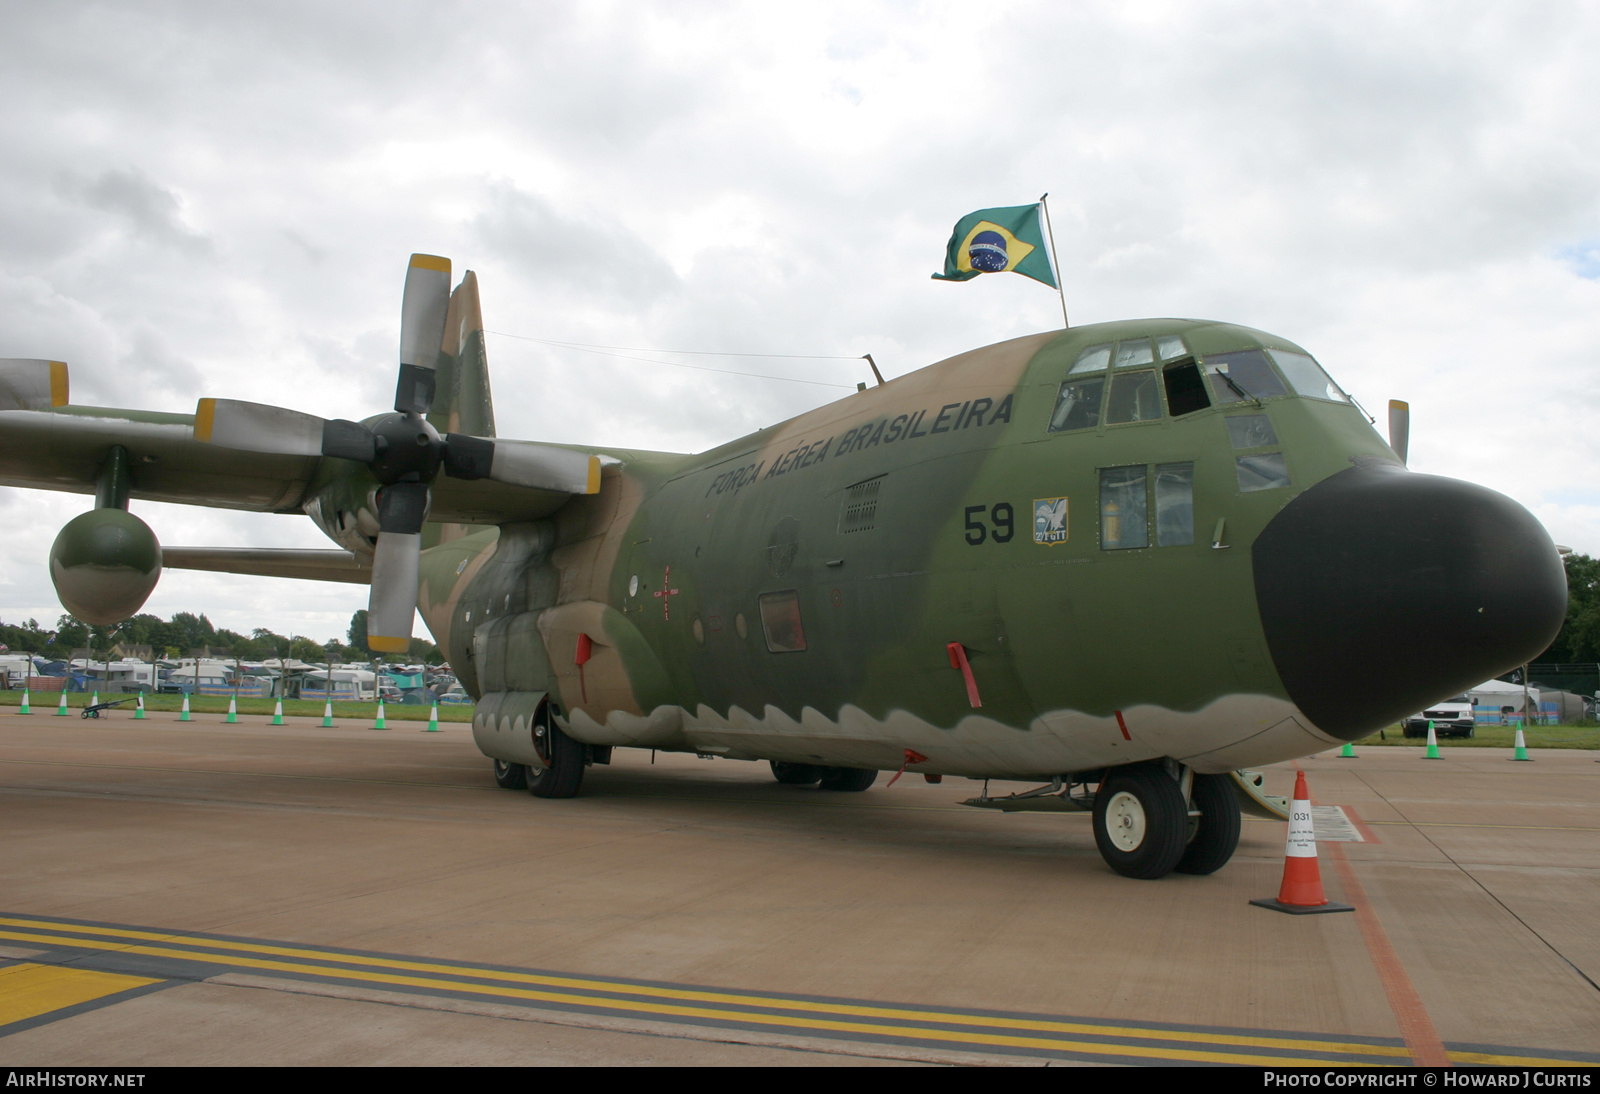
{"points": [[104, 564]]}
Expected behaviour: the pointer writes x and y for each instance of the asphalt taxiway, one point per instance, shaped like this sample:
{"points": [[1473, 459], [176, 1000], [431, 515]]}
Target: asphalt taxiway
{"points": [[185, 893]]}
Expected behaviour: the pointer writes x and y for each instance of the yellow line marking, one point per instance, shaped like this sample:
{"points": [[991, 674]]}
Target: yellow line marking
{"points": [[28, 990], [1513, 1061], [689, 995], [648, 1008]]}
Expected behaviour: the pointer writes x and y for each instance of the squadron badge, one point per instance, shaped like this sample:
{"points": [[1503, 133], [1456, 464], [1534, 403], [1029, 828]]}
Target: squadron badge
{"points": [[1049, 520]]}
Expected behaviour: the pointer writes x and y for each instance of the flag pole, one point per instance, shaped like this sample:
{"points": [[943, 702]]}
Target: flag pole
{"points": [[1049, 231]]}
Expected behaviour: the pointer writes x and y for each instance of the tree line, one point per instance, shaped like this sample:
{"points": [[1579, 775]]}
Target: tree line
{"points": [[186, 631]]}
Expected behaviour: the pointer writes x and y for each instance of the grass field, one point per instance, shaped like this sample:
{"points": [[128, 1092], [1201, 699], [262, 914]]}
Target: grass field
{"points": [[46, 702], [1584, 735]]}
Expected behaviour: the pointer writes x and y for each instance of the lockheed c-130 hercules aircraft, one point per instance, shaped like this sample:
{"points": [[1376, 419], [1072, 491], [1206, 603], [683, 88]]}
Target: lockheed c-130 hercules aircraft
{"points": [[1122, 560]]}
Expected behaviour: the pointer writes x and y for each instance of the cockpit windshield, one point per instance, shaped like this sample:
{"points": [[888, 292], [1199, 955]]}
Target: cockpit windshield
{"points": [[1307, 377]]}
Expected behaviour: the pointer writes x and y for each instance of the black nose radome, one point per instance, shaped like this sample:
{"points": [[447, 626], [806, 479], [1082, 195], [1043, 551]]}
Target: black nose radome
{"points": [[1382, 591]]}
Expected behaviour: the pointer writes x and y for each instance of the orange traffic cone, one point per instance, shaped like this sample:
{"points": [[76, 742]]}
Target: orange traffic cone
{"points": [[1301, 891]]}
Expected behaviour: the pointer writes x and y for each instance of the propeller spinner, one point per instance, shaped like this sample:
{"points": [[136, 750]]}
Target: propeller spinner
{"points": [[402, 450]]}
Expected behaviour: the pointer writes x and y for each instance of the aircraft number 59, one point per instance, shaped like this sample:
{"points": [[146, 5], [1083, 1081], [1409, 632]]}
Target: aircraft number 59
{"points": [[1001, 515]]}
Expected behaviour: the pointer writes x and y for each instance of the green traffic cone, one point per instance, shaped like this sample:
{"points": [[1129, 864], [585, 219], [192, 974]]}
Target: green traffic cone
{"points": [[184, 716], [94, 698], [1348, 752], [277, 713], [327, 714], [138, 710], [433, 719], [379, 724], [1433, 745], [61, 711], [233, 710], [24, 709], [1521, 750]]}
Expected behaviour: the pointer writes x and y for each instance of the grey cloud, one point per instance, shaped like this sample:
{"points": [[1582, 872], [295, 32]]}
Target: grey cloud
{"points": [[151, 210], [587, 255]]}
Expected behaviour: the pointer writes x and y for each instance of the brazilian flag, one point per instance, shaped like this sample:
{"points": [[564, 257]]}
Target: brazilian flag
{"points": [[998, 241]]}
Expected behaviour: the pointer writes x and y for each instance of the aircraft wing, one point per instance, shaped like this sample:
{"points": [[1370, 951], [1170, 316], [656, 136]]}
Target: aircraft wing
{"points": [[65, 448]]}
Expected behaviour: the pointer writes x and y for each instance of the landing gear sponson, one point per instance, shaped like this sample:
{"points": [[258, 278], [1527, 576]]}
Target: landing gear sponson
{"points": [[1149, 818]]}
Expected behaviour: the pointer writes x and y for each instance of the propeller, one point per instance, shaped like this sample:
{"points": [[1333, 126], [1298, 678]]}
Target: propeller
{"points": [[402, 450], [27, 384], [1399, 427]]}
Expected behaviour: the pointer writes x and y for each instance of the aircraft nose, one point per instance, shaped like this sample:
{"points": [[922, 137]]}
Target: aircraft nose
{"points": [[1381, 591]]}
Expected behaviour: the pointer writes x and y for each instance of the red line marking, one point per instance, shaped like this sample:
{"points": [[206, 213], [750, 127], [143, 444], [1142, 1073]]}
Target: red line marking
{"points": [[1416, 1027], [1126, 736], [1367, 834]]}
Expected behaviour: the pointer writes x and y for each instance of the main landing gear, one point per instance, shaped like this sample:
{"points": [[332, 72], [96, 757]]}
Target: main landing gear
{"points": [[826, 778], [561, 773], [1144, 829]]}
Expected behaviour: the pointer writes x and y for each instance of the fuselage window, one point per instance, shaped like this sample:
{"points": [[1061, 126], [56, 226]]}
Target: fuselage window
{"points": [[1307, 377], [1186, 392], [780, 619], [1174, 504], [1247, 374], [1135, 397], [1123, 520], [1264, 472], [1250, 430], [1078, 405]]}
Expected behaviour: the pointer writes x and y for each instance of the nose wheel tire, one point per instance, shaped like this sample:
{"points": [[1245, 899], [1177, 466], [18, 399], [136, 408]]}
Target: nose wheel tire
{"points": [[509, 776], [1217, 834], [562, 775], [1140, 822], [796, 774]]}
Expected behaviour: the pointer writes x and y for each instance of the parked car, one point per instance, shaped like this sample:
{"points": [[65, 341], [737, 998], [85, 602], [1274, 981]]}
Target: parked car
{"points": [[1451, 718], [457, 694]]}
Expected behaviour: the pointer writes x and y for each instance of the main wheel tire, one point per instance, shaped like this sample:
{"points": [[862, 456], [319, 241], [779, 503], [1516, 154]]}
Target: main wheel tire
{"points": [[853, 779], [510, 776], [1216, 836], [562, 777], [1140, 822], [796, 774]]}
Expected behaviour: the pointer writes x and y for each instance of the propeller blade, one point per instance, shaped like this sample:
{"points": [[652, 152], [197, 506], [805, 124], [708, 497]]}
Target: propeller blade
{"points": [[256, 427], [347, 440], [32, 385], [396, 567], [1399, 427], [521, 463], [422, 315]]}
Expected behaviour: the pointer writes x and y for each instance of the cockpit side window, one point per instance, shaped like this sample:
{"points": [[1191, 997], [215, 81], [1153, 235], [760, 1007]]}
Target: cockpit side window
{"points": [[1092, 359], [1307, 377], [1246, 374], [1135, 352], [1186, 392], [1135, 397], [1078, 404]]}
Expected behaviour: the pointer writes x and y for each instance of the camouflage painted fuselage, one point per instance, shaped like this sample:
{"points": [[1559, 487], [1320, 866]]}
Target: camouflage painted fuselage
{"points": [[1081, 656]]}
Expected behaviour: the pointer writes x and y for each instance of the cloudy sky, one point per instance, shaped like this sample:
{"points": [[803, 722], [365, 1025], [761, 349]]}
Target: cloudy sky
{"points": [[219, 199]]}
